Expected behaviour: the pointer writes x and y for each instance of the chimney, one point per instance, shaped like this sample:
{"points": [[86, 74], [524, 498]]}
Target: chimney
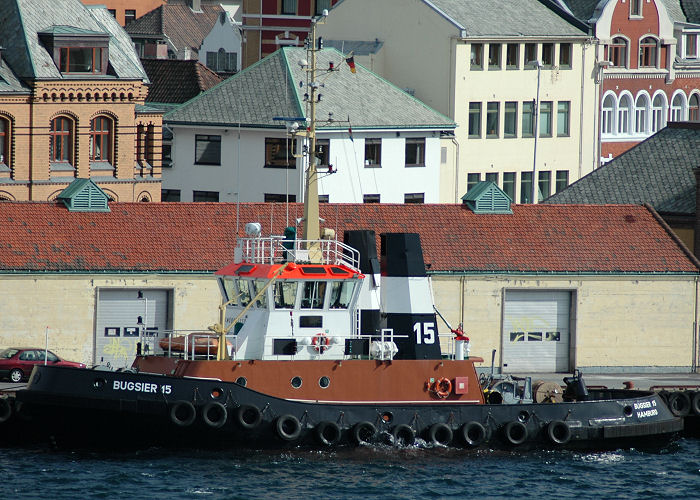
{"points": [[696, 226], [196, 5]]}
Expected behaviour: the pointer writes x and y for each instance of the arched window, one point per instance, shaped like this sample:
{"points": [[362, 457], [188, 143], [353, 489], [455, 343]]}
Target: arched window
{"points": [[658, 113], [608, 114], [677, 111], [641, 112], [4, 141], [617, 53], [101, 139], [647, 52], [694, 108], [61, 148], [624, 112]]}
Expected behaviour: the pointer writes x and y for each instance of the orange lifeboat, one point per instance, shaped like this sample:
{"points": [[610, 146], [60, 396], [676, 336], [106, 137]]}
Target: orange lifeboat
{"points": [[203, 343]]}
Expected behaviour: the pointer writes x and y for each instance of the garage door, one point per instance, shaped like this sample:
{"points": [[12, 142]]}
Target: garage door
{"points": [[116, 325], [536, 331]]}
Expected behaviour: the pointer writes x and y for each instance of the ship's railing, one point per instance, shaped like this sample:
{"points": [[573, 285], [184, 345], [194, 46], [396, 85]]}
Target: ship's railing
{"points": [[275, 249]]}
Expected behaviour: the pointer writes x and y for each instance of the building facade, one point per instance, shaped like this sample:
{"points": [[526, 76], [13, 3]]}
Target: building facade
{"points": [[72, 100]]}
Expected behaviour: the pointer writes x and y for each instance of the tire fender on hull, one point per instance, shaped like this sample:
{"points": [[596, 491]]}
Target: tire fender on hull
{"points": [[214, 414], [328, 433], [515, 432], [474, 434], [288, 427], [558, 432], [183, 413], [248, 416], [679, 403], [403, 435], [364, 433], [440, 434], [695, 403]]}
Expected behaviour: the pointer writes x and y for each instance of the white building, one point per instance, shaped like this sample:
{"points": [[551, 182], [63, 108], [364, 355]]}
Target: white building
{"points": [[221, 48], [376, 143]]}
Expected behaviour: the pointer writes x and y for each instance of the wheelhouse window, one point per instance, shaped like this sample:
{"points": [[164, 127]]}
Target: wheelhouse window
{"points": [[278, 154], [207, 149], [258, 286], [647, 52], [415, 152], [512, 56], [4, 141], [61, 146], [101, 139], [341, 294], [81, 60], [313, 293], [373, 152], [565, 55], [285, 294], [476, 60], [617, 52]]}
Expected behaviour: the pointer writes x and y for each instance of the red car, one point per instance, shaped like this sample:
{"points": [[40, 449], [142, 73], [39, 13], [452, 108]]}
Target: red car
{"points": [[16, 363]]}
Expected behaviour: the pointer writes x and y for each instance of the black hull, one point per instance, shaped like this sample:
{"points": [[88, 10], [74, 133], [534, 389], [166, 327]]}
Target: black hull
{"points": [[72, 408]]}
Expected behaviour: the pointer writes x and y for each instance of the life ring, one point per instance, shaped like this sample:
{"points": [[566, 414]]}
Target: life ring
{"points": [[183, 413], [695, 403], [473, 433], [442, 387], [515, 432], [5, 410], [558, 432], [679, 403], [328, 433], [364, 433], [214, 414], [321, 342], [288, 427], [248, 416], [403, 435], [440, 434]]}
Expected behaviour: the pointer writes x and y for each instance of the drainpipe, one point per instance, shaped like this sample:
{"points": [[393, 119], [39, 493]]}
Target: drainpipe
{"points": [[454, 141]]}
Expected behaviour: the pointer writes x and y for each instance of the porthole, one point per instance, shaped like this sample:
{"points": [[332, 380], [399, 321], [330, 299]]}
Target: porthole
{"points": [[324, 382], [296, 382], [628, 411], [523, 417], [242, 381], [216, 392], [387, 417]]}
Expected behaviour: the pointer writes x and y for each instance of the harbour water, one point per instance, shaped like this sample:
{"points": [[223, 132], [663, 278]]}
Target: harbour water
{"points": [[376, 472]]}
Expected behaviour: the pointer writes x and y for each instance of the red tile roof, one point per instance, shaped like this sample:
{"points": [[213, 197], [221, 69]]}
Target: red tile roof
{"points": [[201, 236], [177, 80]]}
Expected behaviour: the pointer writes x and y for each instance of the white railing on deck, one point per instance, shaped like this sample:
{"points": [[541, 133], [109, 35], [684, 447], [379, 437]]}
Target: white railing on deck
{"points": [[271, 250]]}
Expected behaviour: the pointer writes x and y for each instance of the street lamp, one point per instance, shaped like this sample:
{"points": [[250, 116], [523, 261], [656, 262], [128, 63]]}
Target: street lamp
{"points": [[536, 131]]}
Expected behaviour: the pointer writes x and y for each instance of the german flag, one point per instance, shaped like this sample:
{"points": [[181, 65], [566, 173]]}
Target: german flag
{"points": [[351, 62]]}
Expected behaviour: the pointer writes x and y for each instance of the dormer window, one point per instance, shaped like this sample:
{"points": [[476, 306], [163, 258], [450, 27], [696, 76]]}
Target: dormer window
{"points": [[77, 51], [80, 60]]}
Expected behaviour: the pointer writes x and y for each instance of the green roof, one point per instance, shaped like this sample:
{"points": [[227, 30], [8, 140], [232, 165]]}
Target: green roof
{"points": [[487, 198], [83, 195]]}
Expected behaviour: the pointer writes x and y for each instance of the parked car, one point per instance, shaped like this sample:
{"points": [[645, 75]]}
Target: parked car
{"points": [[16, 363]]}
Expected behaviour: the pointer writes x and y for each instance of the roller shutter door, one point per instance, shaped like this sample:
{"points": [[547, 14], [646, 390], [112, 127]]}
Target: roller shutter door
{"points": [[116, 330], [536, 331]]}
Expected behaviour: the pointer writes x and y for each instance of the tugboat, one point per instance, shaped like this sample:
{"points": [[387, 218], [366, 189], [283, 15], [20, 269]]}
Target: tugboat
{"points": [[323, 343]]}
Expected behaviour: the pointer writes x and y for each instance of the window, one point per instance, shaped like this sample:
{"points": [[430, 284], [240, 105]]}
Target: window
{"points": [[101, 139], [289, 7], [169, 195], [279, 198], [476, 60], [341, 294], [509, 184], [313, 293], [4, 142], [61, 146], [207, 149], [370, 198], [474, 119], [492, 177], [202, 196], [635, 8], [530, 54], [81, 60], [414, 198], [617, 52], [373, 152], [565, 55], [285, 294], [113, 12], [494, 56], [691, 45], [544, 185], [525, 187], [510, 119], [324, 198], [608, 113], [512, 53], [129, 15], [624, 114], [677, 108], [546, 119], [694, 108], [492, 112], [473, 180], [528, 119], [658, 113], [547, 55], [562, 180], [277, 154], [647, 53], [563, 113], [641, 109], [415, 152], [321, 5], [222, 61], [322, 147]]}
